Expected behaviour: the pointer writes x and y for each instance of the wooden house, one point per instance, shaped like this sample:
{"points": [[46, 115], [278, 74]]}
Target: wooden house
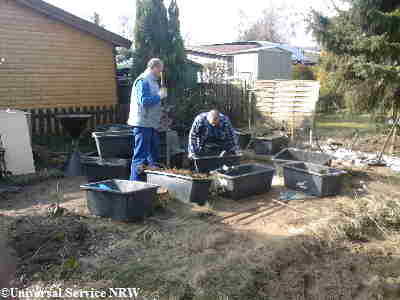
{"points": [[50, 58]]}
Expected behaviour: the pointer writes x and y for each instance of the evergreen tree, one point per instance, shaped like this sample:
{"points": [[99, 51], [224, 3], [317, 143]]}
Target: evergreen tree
{"points": [[151, 33], [157, 35], [176, 56], [364, 47]]}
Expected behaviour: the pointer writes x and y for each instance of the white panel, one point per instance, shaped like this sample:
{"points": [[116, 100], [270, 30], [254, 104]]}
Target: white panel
{"points": [[14, 131]]}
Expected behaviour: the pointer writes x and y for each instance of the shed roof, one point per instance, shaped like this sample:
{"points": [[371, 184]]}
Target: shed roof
{"points": [[223, 49], [76, 22], [256, 50]]}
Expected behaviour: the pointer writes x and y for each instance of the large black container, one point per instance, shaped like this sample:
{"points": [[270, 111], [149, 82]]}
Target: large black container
{"points": [[182, 188], [292, 155], [245, 180], [270, 145], [120, 200], [205, 164], [97, 169], [244, 139], [313, 179], [114, 144]]}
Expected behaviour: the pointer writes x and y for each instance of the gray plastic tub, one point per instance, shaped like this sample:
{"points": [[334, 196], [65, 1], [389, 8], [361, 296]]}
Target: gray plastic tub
{"points": [[313, 179], [245, 180], [182, 188], [121, 200], [97, 169], [114, 144], [295, 155], [269, 145]]}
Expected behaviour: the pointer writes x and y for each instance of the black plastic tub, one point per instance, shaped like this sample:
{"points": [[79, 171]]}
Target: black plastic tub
{"points": [[244, 139], [245, 180], [294, 155], [182, 188], [121, 200], [97, 169], [313, 179], [270, 145], [114, 144], [205, 164]]}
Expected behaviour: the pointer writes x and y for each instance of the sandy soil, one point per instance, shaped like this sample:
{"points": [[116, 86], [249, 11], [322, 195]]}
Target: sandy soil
{"points": [[248, 249]]}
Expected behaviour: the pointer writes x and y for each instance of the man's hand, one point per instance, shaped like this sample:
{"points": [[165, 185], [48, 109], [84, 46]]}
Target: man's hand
{"points": [[163, 93], [193, 156]]}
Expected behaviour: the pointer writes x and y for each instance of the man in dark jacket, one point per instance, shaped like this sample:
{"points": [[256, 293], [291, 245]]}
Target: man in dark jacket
{"points": [[212, 134]]}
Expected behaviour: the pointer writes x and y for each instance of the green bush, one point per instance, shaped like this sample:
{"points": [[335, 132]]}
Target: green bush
{"points": [[302, 72]]}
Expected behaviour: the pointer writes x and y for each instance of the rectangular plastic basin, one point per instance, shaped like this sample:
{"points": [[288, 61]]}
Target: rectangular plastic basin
{"points": [[270, 145], [97, 169], [120, 200], [294, 155], [182, 188], [114, 144], [206, 164], [245, 180], [313, 179]]}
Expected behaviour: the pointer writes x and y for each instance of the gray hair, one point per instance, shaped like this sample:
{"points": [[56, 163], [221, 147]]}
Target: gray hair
{"points": [[155, 62]]}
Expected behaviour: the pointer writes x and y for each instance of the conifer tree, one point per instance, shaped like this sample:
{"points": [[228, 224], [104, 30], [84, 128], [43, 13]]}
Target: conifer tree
{"points": [[158, 35], [365, 45]]}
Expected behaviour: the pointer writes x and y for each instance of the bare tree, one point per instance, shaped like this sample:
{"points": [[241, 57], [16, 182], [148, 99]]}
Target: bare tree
{"points": [[276, 24], [127, 27]]}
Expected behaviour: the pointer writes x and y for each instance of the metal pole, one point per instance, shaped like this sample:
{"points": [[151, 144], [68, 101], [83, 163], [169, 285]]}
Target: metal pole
{"points": [[167, 140]]}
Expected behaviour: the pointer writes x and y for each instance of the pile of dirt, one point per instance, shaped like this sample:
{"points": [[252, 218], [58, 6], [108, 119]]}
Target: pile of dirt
{"points": [[45, 245]]}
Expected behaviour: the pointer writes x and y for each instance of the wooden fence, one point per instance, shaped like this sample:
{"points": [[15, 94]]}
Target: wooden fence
{"points": [[291, 103], [45, 122]]}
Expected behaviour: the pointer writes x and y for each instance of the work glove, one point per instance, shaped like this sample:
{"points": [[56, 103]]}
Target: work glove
{"points": [[163, 93], [193, 156]]}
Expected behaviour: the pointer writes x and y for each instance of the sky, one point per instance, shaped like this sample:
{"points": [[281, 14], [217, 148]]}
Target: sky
{"points": [[202, 21]]}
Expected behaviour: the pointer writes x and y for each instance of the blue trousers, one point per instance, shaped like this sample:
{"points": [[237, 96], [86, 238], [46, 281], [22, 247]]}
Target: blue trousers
{"points": [[146, 151]]}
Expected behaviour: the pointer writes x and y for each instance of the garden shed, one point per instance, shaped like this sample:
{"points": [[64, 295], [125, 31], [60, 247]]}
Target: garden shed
{"points": [[50, 58], [265, 63]]}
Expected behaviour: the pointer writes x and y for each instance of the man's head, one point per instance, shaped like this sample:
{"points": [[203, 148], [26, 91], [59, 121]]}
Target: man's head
{"points": [[213, 117], [155, 66]]}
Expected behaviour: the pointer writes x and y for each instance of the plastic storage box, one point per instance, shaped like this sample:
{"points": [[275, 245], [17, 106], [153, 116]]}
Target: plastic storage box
{"points": [[97, 169], [244, 139], [245, 180], [313, 179], [294, 155], [270, 145], [120, 200], [182, 188], [114, 144], [206, 164]]}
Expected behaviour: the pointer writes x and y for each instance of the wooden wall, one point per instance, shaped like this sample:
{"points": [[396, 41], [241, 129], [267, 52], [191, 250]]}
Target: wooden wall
{"points": [[49, 64], [290, 103]]}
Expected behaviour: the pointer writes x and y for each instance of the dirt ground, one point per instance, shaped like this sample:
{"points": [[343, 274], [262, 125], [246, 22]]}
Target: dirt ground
{"points": [[249, 249]]}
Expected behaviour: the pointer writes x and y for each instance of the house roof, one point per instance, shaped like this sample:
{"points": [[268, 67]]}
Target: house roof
{"points": [[76, 22]]}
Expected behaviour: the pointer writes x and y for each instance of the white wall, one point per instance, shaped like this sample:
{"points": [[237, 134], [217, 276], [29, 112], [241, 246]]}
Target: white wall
{"points": [[246, 65]]}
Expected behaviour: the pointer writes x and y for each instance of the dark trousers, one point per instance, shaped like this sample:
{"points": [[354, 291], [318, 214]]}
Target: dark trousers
{"points": [[146, 151]]}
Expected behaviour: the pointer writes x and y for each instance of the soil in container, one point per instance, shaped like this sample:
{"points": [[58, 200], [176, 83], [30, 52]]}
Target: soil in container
{"points": [[121, 200], [183, 185]]}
